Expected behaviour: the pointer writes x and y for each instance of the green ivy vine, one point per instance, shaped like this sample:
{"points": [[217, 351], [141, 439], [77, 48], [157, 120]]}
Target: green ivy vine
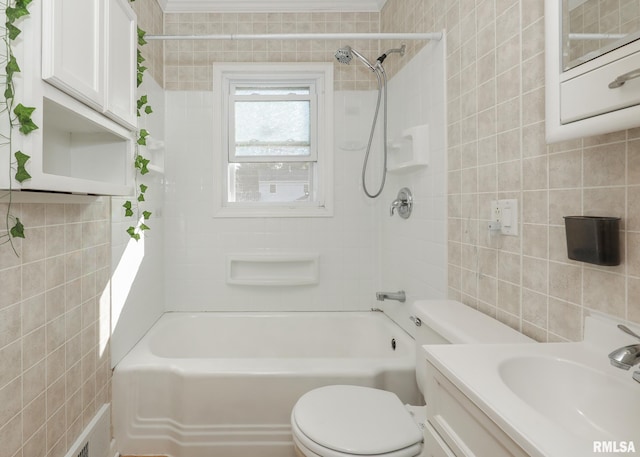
{"points": [[17, 115], [140, 162]]}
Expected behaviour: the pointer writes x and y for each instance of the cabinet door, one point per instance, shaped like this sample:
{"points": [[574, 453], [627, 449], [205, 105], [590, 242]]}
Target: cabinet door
{"points": [[72, 48], [122, 33]]}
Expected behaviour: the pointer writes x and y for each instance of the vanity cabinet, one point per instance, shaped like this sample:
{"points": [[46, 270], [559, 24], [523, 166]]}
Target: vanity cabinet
{"points": [[456, 427], [592, 72], [89, 52], [80, 78]]}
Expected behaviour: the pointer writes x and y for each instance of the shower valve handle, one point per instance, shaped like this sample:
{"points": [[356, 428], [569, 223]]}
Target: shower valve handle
{"points": [[403, 203]]}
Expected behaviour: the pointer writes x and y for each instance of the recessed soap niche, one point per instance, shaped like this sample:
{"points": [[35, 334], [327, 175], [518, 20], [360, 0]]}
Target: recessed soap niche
{"points": [[409, 150], [273, 269]]}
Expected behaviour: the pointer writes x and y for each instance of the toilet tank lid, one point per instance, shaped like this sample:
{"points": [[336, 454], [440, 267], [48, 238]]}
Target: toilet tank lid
{"points": [[459, 323]]}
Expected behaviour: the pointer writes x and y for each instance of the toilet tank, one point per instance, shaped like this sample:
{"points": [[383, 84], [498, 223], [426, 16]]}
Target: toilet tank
{"points": [[452, 322]]}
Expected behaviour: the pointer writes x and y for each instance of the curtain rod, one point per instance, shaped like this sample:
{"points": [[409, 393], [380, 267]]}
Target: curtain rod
{"points": [[304, 36]]}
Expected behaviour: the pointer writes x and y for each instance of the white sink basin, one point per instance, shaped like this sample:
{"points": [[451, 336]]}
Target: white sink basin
{"points": [[583, 400], [552, 399]]}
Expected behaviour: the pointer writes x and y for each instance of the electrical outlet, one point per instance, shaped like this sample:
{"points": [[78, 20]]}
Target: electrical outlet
{"points": [[495, 217], [504, 216]]}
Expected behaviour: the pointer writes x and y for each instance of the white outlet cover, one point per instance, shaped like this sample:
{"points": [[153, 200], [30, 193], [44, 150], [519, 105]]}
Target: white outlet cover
{"points": [[505, 212], [509, 216]]}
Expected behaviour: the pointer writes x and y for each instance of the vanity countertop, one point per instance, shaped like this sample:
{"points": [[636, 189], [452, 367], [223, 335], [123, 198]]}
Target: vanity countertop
{"points": [[552, 399]]}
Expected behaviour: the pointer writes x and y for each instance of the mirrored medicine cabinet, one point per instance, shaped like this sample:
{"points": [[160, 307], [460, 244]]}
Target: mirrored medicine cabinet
{"points": [[592, 53]]}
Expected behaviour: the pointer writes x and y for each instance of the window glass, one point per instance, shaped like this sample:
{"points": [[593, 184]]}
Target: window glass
{"points": [[271, 182], [272, 128]]}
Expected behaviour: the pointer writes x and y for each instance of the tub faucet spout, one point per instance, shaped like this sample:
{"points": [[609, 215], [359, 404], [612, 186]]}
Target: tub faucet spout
{"points": [[398, 296]]}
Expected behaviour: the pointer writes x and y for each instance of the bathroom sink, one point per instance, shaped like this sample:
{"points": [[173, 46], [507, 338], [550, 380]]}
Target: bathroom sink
{"points": [[551, 399], [583, 400]]}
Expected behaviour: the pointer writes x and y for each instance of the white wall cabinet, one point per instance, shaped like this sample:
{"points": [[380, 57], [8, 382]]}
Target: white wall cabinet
{"points": [[585, 100], [121, 66], [85, 109], [89, 52], [72, 41]]}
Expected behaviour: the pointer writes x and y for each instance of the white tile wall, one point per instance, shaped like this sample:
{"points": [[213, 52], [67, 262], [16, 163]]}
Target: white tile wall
{"points": [[413, 251], [137, 267], [197, 243], [361, 249]]}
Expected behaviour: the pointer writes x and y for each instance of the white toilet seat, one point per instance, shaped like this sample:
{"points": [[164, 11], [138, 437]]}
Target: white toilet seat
{"points": [[347, 421]]}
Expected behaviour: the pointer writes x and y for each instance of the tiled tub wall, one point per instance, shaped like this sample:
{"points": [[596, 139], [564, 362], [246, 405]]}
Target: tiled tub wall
{"points": [[54, 327], [497, 149], [188, 63]]}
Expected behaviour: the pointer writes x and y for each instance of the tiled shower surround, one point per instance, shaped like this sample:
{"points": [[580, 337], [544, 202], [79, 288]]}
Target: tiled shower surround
{"points": [[54, 327], [496, 149]]}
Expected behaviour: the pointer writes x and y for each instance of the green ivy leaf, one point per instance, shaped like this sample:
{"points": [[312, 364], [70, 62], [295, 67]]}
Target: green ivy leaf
{"points": [[141, 34], [143, 188], [140, 57], [143, 134], [8, 91], [146, 215], [128, 212], [12, 30], [141, 197], [144, 227], [17, 12], [148, 110], [140, 162], [142, 101], [23, 111], [132, 233], [12, 65], [143, 168], [17, 231], [11, 68], [24, 118], [21, 173]]}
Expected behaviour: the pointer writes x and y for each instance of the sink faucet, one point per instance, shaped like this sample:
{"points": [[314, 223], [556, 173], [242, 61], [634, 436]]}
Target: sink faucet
{"points": [[399, 296], [627, 356]]}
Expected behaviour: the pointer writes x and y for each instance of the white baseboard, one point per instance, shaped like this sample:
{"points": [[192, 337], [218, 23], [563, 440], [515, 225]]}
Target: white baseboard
{"points": [[113, 449], [96, 436]]}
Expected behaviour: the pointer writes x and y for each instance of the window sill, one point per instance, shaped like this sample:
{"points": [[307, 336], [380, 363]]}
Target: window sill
{"points": [[276, 211]]}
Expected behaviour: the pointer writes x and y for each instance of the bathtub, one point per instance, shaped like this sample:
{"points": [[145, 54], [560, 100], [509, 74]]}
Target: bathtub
{"points": [[224, 384]]}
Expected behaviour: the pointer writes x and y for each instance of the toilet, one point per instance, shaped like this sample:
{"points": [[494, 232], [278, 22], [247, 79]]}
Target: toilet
{"points": [[349, 421]]}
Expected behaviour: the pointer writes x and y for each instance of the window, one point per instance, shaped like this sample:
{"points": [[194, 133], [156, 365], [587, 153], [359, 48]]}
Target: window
{"points": [[273, 139]]}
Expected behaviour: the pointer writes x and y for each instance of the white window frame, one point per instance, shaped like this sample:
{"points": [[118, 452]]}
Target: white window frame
{"points": [[227, 76]]}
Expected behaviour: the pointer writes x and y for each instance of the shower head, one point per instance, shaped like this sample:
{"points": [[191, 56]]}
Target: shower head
{"points": [[346, 53]]}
